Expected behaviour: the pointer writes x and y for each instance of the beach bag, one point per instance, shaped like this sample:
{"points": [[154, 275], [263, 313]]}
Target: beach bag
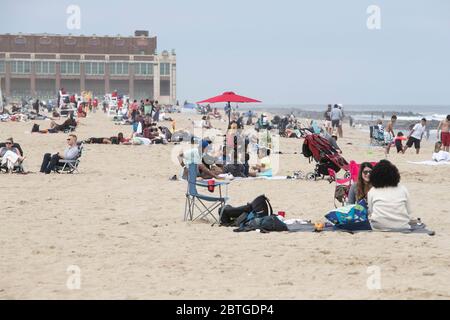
{"points": [[261, 206], [239, 216], [268, 223], [237, 170], [348, 214], [306, 151], [35, 128], [265, 224], [230, 214]]}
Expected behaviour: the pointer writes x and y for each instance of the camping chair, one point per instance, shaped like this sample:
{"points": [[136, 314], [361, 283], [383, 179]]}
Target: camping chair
{"points": [[18, 167], [376, 136], [342, 187], [204, 204], [70, 166]]}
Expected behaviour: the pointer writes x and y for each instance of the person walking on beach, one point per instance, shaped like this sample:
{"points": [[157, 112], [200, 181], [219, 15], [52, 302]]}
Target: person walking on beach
{"points": [[327, 117], [336, 116], [340, 131], [389, 133], [416, 135], [444, 127]]}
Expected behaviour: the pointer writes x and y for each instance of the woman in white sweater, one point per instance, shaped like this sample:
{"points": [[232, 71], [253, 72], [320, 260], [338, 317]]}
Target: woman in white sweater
{"points": [[388, 202]]}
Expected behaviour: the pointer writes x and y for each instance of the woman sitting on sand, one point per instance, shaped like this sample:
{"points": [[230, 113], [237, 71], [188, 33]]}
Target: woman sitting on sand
{"points": [[388, 202], [440, 155], [358, 191], [10, 155], [264, 167]]}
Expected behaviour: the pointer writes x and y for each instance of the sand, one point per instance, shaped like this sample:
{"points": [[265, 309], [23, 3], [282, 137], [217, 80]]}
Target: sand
{"points": [[120, 220]]}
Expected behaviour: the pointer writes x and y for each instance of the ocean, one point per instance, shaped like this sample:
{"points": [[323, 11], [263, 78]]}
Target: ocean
{"points": [[373, 112]]}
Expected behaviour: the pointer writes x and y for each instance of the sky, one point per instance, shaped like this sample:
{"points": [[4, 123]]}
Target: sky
{"points": [[280, 52]]}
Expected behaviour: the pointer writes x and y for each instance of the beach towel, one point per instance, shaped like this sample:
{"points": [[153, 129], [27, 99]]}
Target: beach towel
{"points": [[10, 159], [262, 178], [309, 227], [431, 163]]}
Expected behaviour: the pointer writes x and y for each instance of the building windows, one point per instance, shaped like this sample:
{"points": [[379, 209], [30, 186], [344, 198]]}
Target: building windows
{"points": [[118, 68], [70, 67], [94, 68], [19, 66], [44, 67], [143, 69], [164, 69], [2, 66]]}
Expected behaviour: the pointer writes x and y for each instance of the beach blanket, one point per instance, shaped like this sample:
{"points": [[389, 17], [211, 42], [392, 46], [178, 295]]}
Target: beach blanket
{"points": [[431, 163], [261, 178], [309, 227]]}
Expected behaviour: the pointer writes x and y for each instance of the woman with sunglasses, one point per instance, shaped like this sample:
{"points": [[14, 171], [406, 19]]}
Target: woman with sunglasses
{"points": [[10, 155], [359, 190]]}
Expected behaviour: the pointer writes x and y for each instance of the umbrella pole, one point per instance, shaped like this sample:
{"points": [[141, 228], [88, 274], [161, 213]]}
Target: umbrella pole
{"points": [[229, 115]]}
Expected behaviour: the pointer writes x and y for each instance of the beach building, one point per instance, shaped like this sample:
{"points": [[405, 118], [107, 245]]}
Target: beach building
{"points": [[37, 65]]}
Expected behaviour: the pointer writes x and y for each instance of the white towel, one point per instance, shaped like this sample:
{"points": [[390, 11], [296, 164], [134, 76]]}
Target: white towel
{"points": [[10, 158]]}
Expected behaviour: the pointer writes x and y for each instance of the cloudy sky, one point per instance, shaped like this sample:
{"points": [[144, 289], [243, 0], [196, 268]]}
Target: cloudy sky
{"points": [[285, 51]]}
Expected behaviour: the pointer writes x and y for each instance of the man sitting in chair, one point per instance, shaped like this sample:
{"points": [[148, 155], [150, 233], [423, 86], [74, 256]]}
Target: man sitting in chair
{"points": [[193, 156], [50, 162]]}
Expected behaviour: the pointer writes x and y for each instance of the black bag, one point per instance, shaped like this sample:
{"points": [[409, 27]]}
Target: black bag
{"points": [[35, 128], [237, 170], [306, 151], [231, 214], [268, 223], [235, 216], [261, 206]]}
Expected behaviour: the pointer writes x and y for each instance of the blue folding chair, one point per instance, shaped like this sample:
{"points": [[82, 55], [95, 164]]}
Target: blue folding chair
{"points": [[199, 206]]}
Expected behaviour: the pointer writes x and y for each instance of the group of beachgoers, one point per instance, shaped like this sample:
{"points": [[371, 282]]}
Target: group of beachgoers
{"points": [[12, 157]]}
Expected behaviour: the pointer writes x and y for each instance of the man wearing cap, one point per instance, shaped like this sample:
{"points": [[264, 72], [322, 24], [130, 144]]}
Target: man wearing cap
{"points": [[71, 153], [193, 156]]}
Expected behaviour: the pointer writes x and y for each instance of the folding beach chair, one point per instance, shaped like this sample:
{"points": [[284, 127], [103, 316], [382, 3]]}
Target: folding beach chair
{"points": [[18, 167], [70, 166], [376, 136], [200, 206], [342, 187]]}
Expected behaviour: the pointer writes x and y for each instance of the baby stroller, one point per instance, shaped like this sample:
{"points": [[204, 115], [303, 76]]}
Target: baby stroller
{"points": [[318, 148]]}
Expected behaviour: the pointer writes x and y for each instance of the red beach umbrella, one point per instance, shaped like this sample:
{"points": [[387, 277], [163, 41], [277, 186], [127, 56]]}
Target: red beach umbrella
{"points": [[228, 97]]}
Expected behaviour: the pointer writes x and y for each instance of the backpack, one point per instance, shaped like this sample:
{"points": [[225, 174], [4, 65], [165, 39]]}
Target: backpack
{"points": [[265, 224], [237, 216]]}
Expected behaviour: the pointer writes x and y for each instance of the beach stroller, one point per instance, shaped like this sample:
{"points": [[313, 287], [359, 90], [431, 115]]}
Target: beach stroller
{"points": [[318, 148]]}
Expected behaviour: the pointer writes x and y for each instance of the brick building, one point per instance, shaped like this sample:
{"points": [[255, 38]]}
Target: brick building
{"points": [[37, 65]]}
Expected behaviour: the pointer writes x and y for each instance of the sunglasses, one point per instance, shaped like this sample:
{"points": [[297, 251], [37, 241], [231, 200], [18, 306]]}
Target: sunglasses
{"points": [[366, 172], [8, 142]]}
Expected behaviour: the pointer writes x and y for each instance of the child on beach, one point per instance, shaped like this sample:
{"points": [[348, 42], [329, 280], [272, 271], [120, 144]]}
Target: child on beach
{"points": [[398, 141]]}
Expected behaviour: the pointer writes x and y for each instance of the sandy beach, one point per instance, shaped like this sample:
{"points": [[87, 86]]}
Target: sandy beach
{"points": [[120, 220]]}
